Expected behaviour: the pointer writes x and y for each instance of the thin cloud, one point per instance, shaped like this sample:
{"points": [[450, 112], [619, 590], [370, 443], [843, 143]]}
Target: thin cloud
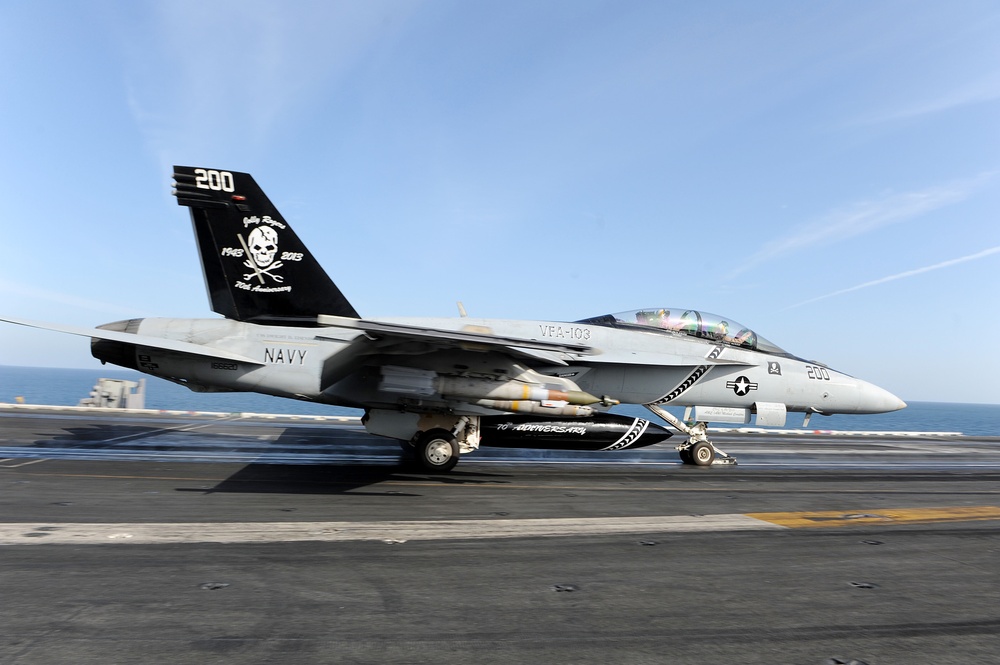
{"points": [[35, 293], [864, 217], [902, 275], [977, 92], [231, 76]]}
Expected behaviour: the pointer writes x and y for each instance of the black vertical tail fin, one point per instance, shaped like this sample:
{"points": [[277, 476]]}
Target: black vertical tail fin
{"points": [[256, 268]]}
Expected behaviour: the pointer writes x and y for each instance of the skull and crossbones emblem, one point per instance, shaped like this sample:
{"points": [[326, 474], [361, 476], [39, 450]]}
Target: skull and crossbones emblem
{"points": [[262, 246]]}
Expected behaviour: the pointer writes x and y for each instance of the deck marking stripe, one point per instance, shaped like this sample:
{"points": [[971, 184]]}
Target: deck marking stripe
{"points": [[20, 462], [831, 518], [272, 532], [187, 427], [397, 531]]}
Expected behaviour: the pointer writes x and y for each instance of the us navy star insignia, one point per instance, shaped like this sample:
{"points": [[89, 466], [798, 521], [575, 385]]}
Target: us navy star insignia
{"points": [[742, 385]]}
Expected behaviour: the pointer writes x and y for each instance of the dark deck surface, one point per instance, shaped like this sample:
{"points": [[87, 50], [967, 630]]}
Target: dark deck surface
{"points": [[197, 539]]}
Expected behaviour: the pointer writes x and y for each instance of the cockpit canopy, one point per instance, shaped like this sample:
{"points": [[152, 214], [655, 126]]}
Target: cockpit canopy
{"points": [[690, 322]]}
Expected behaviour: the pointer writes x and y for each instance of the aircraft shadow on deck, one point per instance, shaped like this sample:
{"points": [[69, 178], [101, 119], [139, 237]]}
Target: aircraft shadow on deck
{"points": [[292, 446], [296, 461], [95, 437], [260, 478]]}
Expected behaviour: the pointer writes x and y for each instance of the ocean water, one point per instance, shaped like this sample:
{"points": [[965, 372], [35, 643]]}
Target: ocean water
{"points": [[66, 387]]}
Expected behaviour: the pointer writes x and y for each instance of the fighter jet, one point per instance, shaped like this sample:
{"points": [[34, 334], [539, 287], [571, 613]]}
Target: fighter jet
{"points": [[446, 386]]}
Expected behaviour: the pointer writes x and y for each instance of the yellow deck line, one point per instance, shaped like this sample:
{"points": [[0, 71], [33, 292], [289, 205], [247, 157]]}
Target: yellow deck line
{"points": [[832, 518]]}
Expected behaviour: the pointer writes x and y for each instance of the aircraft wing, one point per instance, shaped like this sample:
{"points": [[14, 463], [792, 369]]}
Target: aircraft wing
{"points": [[140, 340], [457, 338], [548, 352]]}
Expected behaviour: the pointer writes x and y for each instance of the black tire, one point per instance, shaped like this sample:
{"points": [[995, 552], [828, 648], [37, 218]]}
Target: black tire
{"points": [[437, 450], [686, 456], [702, 454]]}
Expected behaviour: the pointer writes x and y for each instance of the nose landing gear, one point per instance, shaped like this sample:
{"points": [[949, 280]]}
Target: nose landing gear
{"points": [[697, 450]]}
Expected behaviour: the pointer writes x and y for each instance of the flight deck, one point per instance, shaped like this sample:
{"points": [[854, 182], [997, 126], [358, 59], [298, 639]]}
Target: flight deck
{"points": [[233, 538], [33, 432]]}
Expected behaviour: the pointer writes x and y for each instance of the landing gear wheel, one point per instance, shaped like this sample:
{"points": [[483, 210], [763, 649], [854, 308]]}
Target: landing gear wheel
{"points": [[437, 450], [702, 453], [686, 456]]}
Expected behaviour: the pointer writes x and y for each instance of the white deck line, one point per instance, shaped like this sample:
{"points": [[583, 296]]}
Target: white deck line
{"points": [[159, 412], [52, 533]]}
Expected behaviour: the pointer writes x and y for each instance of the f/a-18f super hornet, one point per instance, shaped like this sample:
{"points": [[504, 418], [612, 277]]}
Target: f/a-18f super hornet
{"points": [[445, 386]]}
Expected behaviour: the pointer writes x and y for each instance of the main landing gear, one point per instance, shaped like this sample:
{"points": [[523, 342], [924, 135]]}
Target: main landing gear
{"points": [[437, 450], [697, 450]]}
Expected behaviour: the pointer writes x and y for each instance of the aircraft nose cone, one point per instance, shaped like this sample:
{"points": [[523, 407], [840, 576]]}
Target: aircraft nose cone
{"points": [[878, 400]]}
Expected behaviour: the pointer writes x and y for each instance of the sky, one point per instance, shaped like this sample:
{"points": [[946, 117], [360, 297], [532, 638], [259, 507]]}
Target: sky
{"points": [[827, 173]]}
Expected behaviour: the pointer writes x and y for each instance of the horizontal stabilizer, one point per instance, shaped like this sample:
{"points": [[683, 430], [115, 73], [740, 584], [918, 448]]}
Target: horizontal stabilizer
{"points": [[138, 340]]}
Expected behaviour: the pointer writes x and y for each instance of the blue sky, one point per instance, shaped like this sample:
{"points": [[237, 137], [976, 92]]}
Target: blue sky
{"points": [[824, 172]]}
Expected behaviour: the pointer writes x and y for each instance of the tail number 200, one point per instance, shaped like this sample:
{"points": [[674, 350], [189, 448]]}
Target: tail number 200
{"points": [[215, 180]]}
